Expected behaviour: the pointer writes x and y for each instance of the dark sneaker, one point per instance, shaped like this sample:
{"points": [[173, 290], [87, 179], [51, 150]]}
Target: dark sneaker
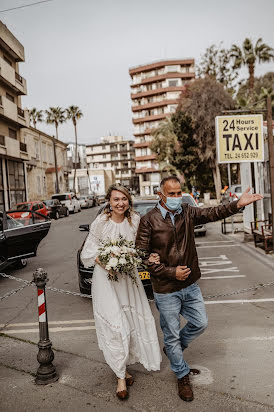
{"points": [[184, 389]]}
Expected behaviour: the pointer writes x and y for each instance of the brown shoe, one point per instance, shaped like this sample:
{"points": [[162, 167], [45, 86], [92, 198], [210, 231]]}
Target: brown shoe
{"points": [[122, 395], [184, 389], [130, 381]]}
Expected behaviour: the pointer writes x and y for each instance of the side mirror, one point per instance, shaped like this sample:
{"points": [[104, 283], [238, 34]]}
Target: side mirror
{"points": [[84, 228]]}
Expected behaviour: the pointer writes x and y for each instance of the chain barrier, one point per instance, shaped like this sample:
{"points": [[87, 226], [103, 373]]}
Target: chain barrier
{"points": [[68, 292]]}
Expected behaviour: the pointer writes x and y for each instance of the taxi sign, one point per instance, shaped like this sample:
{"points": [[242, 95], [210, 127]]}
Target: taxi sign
{"points": [[239, 138]]}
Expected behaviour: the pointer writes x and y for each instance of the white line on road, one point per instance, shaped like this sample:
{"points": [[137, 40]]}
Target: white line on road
{"points": [[250, 338], [50, 329], [216, 241], [202, 247], [54, 322], [214, 302], [223, 277]]}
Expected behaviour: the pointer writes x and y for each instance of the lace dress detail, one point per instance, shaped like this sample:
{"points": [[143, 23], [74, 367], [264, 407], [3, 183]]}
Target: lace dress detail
{"points": [[124, 323]]}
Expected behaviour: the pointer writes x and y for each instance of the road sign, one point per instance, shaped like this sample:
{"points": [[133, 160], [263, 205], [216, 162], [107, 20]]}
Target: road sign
{"points": [[239, 138]]}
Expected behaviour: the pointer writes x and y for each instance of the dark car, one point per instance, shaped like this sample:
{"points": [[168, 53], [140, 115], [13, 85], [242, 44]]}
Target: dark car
{"points": [[55, 208], [141, 206], [19, 241]]}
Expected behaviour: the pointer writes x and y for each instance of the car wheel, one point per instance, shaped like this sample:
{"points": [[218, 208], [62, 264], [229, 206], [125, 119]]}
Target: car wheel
{"points": [[73, 210], [203, 234], [57, 215], [21, 263], [67, 212]]}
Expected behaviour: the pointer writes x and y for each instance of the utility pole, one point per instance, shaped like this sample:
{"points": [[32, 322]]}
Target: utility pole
{"points": [[56, 167], [271, 158]]}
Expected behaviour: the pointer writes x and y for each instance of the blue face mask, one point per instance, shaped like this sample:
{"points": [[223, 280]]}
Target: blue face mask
{"points": [[173, 203]]}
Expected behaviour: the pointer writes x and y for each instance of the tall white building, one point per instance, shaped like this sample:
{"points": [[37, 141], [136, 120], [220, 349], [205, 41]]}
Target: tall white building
{"points": [[155, 92]]}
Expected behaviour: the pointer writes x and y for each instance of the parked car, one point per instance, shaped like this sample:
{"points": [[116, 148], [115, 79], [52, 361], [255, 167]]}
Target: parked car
{"points": [[69, 200], [85, 202], [24, 211], [234, 192], [101, 199], [18, 241], [55, 208], [141, 206], [94, 200]]}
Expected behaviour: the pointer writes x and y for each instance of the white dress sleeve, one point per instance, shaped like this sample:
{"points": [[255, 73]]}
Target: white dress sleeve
{"points": [[135, 223], [92, 243]]}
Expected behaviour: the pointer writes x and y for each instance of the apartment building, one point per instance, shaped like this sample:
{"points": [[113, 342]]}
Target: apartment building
{"points": [[114, 153], [46, 159], [81, 156], [155, 92], [13, 152]]}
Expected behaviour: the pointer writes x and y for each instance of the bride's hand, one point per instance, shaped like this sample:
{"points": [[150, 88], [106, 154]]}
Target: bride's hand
{"points": [[154, 258]]}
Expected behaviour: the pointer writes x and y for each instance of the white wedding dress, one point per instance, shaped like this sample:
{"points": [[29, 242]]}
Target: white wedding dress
{"points": [[124, 323]]}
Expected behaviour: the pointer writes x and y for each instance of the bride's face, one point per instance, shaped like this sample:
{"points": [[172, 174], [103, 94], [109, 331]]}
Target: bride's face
{"points": [[118, 202]]}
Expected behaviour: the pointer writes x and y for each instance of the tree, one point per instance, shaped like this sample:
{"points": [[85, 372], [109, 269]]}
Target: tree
{"points": [[263, 87], [35, 116], [248, 56], [74, 113], [202, 101], [216, 63], [55, 115]]}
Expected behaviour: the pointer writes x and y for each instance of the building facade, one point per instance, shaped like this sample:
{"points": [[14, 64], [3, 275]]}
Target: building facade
{"points": [[90, 181], [45, 154], [81, 157], [13, 151], [117, 154], [155, 92]]}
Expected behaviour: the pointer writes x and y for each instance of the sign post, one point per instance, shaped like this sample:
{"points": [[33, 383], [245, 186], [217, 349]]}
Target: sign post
{"points": [[239, 138]]}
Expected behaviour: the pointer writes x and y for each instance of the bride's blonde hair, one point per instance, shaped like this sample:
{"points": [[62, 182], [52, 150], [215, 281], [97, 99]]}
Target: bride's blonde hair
{"points": [[122, 189]]}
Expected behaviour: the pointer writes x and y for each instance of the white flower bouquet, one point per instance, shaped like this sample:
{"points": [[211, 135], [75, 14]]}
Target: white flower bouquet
{"points": [[120, 256]]}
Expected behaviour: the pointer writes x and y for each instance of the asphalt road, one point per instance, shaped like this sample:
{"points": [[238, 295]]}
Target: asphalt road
{"points": [[235, 354]]}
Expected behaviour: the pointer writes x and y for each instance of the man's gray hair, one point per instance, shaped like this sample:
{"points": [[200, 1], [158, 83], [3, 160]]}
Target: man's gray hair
{"points": [[166, 179]]}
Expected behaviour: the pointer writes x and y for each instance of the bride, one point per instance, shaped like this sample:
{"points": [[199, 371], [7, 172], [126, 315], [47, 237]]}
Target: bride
{"points": [[124, 323]]}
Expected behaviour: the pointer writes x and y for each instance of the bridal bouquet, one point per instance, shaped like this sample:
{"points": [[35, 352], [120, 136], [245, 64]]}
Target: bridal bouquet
{"points": [[120, 256]]}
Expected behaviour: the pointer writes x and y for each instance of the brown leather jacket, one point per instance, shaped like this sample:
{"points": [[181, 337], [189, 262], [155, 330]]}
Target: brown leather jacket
{"points": [[175, 243]]}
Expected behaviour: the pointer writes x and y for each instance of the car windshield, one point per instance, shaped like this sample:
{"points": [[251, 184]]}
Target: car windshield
{"points": [[189, 200], [48, 202], [22, 206], [60, 197], [143, 208]]}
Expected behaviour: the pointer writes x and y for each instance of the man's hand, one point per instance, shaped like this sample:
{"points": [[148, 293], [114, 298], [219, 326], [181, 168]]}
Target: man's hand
{"points": [[182, 272], [154, 258], [248, 198]]}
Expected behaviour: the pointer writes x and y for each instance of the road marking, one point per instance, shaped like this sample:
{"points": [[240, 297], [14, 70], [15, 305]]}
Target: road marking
{"points": [[54, 322], [223, 277], [214, 302], [223, 257], [50, 329], [201, 247], [204, 378], [208, 270], [216, 241], [250, 338]]}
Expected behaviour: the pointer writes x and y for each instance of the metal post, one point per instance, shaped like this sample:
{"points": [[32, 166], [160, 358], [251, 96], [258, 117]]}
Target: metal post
{"points": [[271, 158], [229, 185], [46, 372]]}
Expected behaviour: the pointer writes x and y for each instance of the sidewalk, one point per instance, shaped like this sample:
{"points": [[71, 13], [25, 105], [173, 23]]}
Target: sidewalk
{"points": [[86, 384]]}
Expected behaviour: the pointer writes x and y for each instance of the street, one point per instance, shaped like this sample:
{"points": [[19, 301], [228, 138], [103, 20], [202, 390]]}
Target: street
{"points": [[235, 354]]}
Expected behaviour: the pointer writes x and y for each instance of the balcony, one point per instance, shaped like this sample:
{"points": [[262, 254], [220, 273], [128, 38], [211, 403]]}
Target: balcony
{"points": [[159, 90], [10, 110], [12, 78], [154, 117]]}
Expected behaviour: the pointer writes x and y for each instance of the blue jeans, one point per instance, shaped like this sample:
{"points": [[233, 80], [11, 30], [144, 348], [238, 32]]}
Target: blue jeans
{"points": [[189, 303]]}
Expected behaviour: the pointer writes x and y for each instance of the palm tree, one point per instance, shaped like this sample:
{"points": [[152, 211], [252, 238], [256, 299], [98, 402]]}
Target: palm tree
{"points": [[55, 115], [248, 56], [74, 113], [35, 116]]}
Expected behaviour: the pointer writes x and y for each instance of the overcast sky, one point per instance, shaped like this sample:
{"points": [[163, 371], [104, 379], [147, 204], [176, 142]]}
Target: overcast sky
{"points": [[79, 51]]}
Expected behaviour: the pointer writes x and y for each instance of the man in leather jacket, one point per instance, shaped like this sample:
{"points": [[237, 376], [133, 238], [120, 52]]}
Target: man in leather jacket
{"points": [[168, 230]]}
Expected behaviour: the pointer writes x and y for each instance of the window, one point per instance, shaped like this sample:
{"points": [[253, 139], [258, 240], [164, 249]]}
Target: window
{"points": [[10, 97], [38, 185], [104, 165], [12, 133], [44, 152], [16, 179], [173, 83], [104, 156], [36, 149], [172, 69]]}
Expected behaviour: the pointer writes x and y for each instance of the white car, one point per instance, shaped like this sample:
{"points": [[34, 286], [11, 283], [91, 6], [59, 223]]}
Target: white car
{"points": [[70, 200], [85, 202]]}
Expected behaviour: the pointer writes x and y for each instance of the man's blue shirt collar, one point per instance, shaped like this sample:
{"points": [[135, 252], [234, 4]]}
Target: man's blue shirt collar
{"points": [[165, 211]]}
